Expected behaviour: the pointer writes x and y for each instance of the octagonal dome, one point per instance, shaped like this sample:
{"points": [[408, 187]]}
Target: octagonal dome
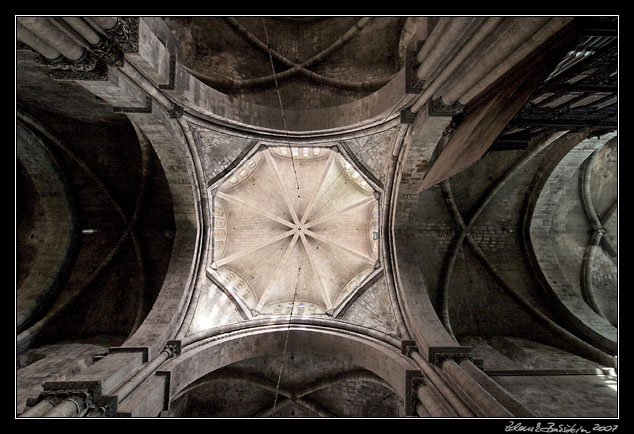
{"points": [[295, 230]]}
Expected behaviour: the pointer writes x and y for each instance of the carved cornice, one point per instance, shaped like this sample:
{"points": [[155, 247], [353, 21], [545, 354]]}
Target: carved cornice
{"points": [[108, 52], [439, 355], [87, 62], [125, 34], [437, 108], [88, 67]]}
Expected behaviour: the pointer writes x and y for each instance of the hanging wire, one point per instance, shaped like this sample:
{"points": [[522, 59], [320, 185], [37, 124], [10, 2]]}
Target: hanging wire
{"points": [[279, 97], [288, 331], [290, 151]]}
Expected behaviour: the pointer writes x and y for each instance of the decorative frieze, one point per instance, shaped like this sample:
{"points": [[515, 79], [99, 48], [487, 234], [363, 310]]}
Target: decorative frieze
{"points": [[125, 34], [93, 65], [108, 52]]}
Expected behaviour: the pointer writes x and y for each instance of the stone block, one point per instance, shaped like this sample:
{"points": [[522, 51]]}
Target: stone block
{"points": [[117, 90], [152, 57]]}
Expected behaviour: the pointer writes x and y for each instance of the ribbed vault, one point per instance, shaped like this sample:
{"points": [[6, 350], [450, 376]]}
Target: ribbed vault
{"points": [[295, 229]]}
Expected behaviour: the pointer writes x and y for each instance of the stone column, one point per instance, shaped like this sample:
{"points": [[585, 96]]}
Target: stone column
{"points": [[32, 40], [480, 398], [505, 398], [445, 392], [52, 35], [81, 27], [41, 408], [68, 408], [106, 23]]}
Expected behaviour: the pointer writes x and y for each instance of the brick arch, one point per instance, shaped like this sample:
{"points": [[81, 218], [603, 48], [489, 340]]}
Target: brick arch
{"points": [[56, 224], [552, 204]]}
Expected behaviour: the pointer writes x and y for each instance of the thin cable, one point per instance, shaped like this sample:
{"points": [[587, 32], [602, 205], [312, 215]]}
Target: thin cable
{"points": [[288, 332], [279, 97], [290, 151]]}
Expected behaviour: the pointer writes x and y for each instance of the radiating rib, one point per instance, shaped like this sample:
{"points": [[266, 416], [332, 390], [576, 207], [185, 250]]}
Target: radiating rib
{"points": [[327, 241], [281, 186], [324, 290], [313, 199], [277, 271], [240, 202], [252, 249], [336, 213]]}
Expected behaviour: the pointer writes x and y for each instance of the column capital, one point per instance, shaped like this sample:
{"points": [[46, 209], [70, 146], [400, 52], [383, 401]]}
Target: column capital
{"points": [[407, 346], [125, 34], [413, 380], [412, 82], [86, 392], [88, 67], [438, 108], [439, 355]]}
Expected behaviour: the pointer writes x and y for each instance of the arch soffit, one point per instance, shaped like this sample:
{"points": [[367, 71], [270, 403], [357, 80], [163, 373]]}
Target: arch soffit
{"points": [[379, 358], [170, 144]]}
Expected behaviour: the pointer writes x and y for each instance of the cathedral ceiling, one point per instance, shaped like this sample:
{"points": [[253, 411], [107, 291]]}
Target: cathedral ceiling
{"points": [[294, 229]]}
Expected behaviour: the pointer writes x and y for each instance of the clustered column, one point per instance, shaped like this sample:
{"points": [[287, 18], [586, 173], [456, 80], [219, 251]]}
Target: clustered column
{"points": [[454, 387]]}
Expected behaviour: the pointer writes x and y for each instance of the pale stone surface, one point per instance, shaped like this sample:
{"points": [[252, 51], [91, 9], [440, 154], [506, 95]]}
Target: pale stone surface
{"points": [[293, 229]]}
